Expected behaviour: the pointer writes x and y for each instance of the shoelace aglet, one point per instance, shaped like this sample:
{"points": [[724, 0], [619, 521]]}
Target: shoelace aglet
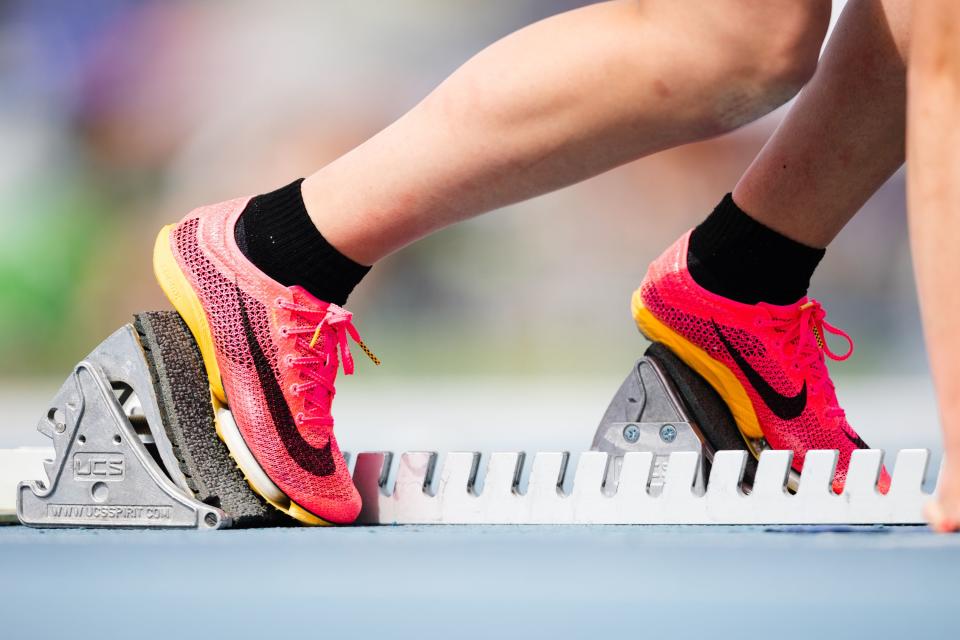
{"points": [[819, 325], [360, 343], [818, 336], [369, 353], [316, 334]]}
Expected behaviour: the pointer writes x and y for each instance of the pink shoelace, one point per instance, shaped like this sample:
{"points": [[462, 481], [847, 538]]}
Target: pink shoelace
{"points": [[319, 390], [806, 330]]}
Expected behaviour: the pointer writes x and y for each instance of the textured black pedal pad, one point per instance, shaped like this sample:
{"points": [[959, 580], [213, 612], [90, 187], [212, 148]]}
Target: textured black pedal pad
{"points": [[180, 380], [706, 407]]}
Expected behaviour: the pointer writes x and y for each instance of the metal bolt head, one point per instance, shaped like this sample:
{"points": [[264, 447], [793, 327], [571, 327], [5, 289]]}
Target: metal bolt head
{"points": [[668, 433], [631, 433]]}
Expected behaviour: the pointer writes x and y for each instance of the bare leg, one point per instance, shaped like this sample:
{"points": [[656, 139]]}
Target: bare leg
{"points": [[844, 137], [560, 101], [933, 198]]}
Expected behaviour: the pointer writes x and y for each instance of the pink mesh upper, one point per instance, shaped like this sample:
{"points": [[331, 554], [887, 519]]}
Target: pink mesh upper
{"points": [[270, 373], [772, 342]]}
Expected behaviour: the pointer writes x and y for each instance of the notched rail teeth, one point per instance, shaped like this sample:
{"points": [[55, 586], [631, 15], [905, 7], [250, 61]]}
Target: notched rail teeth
{"points": [[512, 488], [456, 489]]}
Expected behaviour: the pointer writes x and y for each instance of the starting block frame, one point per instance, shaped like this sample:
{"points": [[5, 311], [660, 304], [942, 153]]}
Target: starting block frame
{"points": [[134, 445]]}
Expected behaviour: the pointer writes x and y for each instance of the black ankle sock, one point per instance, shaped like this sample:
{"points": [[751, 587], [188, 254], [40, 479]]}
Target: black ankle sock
{"points": [[276, 234], [734, 256]]}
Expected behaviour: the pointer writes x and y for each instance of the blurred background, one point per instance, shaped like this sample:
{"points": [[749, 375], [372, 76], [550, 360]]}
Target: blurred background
{"points": [[118, 116]]}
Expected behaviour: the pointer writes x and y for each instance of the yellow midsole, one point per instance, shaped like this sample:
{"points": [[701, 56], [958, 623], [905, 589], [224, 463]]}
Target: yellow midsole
{"points": [[716, 373], [184, 299]]}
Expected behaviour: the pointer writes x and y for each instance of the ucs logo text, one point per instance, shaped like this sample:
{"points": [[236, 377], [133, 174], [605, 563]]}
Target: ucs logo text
{"points": [[98, 466]]}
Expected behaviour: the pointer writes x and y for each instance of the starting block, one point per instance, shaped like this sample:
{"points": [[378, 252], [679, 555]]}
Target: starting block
{"points": [[134, 445]]}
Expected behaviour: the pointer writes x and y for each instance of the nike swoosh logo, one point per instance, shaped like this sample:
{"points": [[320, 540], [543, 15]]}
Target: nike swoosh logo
{"points": [[784, 407], [856, 440], [316, 460]]}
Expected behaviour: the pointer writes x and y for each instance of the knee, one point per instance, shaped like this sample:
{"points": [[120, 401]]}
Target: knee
{"points": [[772, 55], [788, 52]]}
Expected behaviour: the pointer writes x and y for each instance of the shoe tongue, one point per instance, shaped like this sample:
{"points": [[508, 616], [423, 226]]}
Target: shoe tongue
{"points": [[303, 297], [783, 311], [785, 314]]}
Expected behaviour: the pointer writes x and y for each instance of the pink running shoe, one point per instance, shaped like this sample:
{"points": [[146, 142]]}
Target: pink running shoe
{"points": [[272, 355], [766, 361]]}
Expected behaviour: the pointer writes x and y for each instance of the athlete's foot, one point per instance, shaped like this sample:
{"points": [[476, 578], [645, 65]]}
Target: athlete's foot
{"points": [[943, 511], [272, 354], [766, 361]]}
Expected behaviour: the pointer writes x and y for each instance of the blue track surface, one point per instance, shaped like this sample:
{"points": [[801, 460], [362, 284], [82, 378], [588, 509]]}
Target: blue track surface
{"points": [[483, 582]]}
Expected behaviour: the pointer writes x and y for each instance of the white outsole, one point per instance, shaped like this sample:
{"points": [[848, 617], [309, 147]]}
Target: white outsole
{"points": [[230, 434]]}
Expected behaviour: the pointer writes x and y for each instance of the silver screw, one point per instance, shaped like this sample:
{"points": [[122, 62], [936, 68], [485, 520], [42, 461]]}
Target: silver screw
{"points": [[631, 433], [668, 433]]}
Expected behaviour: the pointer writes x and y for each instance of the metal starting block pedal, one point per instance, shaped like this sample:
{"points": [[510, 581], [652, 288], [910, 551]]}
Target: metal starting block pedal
{"points": [[135, 445], [134, 441]]}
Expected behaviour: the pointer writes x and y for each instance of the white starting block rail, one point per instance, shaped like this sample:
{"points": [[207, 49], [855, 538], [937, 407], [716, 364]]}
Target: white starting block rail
{"points": [[16, 465], [520, 489], [426, 493]]}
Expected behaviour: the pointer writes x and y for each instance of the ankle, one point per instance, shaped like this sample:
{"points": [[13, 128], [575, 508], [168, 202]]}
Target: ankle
{"points": [[278, 236], [737, 257]]}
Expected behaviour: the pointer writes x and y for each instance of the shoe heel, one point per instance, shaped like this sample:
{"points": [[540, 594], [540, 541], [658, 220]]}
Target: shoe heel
{"points": [[184, 299]]}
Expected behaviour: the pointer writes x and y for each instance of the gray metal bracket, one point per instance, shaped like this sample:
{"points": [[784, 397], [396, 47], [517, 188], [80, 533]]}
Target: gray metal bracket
{"points": [[113, 464], [646, 415]]}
